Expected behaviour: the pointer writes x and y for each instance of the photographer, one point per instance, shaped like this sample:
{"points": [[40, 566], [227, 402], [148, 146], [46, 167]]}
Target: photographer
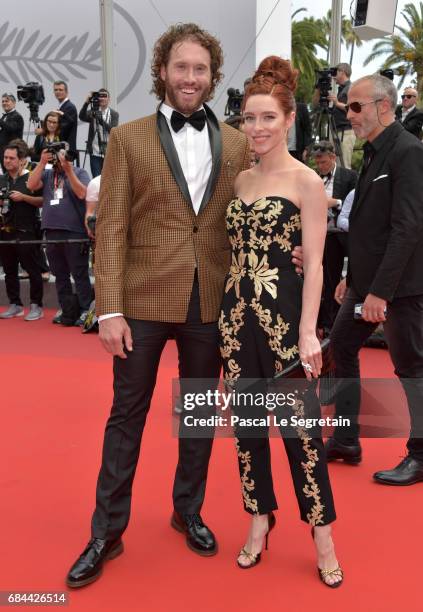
{"points": [[343, 126], [19, 220], [68, 115], [64, 190], [101, 119], [49, 132], [11, 123]]}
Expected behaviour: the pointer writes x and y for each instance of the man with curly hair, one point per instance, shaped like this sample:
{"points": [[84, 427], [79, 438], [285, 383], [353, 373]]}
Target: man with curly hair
{"points": [[162, 253]]}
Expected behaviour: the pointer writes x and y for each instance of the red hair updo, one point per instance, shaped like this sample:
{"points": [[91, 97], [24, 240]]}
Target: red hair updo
{"points": [[274, 77]]}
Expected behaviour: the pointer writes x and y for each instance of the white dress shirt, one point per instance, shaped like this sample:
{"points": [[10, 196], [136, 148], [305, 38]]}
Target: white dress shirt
{"points": [[406, 111], [343, 219], [194, 153]]}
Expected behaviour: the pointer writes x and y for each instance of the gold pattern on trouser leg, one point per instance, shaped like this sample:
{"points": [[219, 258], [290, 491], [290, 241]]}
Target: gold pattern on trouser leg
{"points": [[247, 484], [229, 342], [311, 489]]}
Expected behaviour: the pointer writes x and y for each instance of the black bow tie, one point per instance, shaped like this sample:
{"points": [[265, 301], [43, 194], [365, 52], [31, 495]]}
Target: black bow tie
{"points": [[197, 120], [326, 177]]}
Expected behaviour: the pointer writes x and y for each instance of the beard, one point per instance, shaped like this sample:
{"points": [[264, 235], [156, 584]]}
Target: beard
{"points": [[184, 103]]}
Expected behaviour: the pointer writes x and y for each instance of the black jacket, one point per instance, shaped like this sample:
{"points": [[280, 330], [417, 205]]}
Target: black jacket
{"points": [[69, 124], [344, 181], [11, 127], [86, 115], [413, 122], [385, 242], [302, 128]]}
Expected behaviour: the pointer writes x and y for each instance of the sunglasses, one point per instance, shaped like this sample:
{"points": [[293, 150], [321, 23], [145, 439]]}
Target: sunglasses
{"points": [[357, 106], [408, 96], [323, 148]]}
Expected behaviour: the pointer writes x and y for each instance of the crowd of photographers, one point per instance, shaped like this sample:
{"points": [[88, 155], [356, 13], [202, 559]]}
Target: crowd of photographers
{"points": [[44, 194]]}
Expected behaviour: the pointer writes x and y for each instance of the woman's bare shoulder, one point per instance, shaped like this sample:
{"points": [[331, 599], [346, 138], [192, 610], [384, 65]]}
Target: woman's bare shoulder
{"points": [[243, 178]]}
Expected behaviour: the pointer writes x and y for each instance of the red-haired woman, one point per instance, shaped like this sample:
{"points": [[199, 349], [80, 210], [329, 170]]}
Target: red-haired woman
{"points": [[269, 314]]}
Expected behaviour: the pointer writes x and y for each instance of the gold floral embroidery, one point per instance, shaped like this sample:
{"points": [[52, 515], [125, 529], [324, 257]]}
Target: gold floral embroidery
{"points": [[311, 489], [230, 343], [293, 225], [247, 484], [262, 275], [236, 272], [276, 332]]}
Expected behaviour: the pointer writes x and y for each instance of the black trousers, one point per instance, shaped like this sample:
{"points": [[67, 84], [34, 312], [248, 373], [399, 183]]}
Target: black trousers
{"points": [[28, 256], [134, 382], [67, 259], [336, 249], [304, 449], [404, 334]]}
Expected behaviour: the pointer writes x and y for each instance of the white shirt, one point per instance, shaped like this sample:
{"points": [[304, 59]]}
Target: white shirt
{"points": [[329, 183], [93, 189], [343, 219], [406, 111], [62, 103], [194, 153]]}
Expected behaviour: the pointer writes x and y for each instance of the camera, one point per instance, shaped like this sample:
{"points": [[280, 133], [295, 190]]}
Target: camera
{"points": [[55, 147], [388, 73], [324, 84], [234, 103], [32, 94], [91, 223], [5, 204], [95, 100]]}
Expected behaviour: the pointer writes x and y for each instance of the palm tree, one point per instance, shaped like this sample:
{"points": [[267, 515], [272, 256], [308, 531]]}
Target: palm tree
{"points": [[351, 38], [405, 50], [348, 37], [306, 36]]}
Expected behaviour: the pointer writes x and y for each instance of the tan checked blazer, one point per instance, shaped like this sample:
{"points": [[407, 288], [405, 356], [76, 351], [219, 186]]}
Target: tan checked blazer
{"points": [[148, 238]]}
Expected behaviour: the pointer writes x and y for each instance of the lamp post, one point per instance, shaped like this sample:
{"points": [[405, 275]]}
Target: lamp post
{"points": [[335, 33]]}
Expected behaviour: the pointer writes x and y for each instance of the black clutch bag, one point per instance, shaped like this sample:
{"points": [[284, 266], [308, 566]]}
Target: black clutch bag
{"points": [[296, 370]]}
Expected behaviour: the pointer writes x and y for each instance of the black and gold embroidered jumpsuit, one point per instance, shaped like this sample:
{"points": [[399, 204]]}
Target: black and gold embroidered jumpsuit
{"points": [[259, 327]]}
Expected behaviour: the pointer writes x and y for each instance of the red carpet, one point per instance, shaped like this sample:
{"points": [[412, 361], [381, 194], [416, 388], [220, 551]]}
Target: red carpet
{"points": [[56, 394]]}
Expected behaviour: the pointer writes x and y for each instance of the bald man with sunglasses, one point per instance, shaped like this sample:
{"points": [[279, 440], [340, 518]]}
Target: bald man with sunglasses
{"points": [[408, 114], [385, 245]]}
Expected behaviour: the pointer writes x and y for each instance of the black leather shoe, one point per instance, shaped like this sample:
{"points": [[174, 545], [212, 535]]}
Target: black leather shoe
{"points": [[89, 566], [199, 538], [408, 472], [350, 453]]}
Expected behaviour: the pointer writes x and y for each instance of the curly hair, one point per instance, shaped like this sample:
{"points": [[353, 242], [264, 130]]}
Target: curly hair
{"points": [[179, 33]]}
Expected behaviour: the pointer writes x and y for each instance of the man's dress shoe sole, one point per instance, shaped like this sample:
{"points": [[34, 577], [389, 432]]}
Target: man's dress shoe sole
{"points": [[113, 553], [202, 553], [397, 484]]}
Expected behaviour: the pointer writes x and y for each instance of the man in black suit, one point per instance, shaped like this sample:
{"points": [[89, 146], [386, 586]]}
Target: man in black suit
{"points": [[385, 270], [338, 182], [68, 114], [408, 114], [11, 123], [101, 122], [299, 136]]}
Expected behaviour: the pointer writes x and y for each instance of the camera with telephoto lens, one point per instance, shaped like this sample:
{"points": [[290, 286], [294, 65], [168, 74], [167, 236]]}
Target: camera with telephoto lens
{"points": [[95, 100], [55, 147], [234, 103], [324, 84], [32, 94]]}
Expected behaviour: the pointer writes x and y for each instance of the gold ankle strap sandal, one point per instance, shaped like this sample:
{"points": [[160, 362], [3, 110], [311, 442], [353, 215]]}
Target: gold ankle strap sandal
{"points": [[323, 574]]}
